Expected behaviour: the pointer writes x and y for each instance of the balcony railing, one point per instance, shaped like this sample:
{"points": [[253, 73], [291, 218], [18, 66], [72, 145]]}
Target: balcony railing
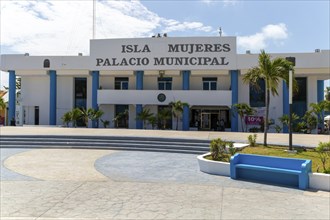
{"points": [[153, 97]]}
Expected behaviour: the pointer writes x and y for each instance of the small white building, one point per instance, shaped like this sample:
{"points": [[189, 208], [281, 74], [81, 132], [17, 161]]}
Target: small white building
{"points": [[132, 74]]}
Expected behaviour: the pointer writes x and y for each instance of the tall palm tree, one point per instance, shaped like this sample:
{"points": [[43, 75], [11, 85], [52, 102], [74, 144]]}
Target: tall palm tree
{"points": [[177, 109], [242, 110], [273, 72], [144, 116]]}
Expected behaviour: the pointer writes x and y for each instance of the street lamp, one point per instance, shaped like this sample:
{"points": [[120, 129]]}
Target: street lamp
{"points": [[293, 62]]}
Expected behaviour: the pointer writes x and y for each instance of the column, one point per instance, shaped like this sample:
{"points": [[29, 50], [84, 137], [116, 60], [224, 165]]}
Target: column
{"points": [[186, 111], [320, 97], [12, 96], [95, 87], [52, 97], [139, 108], [234, 98], [285, 104]]}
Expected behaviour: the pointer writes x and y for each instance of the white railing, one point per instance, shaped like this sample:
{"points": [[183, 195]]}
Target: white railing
{"points": [[150, 97]]}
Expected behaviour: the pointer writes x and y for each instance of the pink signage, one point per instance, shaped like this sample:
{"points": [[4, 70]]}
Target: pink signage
{"points": [[253, 120]]}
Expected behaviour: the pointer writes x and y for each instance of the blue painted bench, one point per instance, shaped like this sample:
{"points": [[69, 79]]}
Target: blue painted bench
{"points": [[275, 170]]}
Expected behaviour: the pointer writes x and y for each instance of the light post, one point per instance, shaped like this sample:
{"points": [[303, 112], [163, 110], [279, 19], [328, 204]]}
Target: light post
{"points": [[293, 62]]}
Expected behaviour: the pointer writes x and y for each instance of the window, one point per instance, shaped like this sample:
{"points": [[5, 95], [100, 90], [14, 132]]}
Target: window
{"points": [[258, 96], [299, 99], [121, 116], [46, 63], [80, 93], [209, 83], [164, 83], [121, 83]]}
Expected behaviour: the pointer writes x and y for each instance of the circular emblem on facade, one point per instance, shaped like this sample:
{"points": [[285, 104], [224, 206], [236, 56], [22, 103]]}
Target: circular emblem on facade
{"points": [[161, 97]]}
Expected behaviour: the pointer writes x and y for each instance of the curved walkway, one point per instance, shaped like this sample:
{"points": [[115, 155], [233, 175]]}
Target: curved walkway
{"points": [[102, 184]]}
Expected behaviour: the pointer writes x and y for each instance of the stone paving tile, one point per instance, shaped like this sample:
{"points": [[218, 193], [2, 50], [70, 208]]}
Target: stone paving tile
{"points": [[116, 200], [32, 198], [7, 174], [58, 164], [261, 204]]}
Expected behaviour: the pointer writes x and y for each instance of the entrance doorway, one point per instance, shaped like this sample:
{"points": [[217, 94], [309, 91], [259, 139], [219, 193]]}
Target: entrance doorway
{"points": [[210, 118]]}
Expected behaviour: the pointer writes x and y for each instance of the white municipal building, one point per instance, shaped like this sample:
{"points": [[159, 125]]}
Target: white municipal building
{"points": [[132, 74]]}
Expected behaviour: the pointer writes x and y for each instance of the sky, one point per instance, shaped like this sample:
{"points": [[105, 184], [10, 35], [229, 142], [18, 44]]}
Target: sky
{"points": [[63, 27]]}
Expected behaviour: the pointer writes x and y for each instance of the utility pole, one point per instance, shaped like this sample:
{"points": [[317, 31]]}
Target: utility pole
{"points": [[94, 17], [293, 62]]}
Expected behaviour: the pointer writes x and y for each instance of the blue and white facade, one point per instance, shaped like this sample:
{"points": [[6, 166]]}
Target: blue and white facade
{"points": [[133, 74]]}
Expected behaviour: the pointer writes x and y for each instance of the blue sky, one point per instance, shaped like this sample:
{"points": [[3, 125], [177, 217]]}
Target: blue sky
{"points": [[64, 27]]}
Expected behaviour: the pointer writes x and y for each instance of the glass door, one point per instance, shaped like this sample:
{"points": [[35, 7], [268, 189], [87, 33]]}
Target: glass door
{"points": [[206, 121]]}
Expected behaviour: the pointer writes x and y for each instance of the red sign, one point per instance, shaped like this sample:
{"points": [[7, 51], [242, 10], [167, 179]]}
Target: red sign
{"points": [[254, 120]]}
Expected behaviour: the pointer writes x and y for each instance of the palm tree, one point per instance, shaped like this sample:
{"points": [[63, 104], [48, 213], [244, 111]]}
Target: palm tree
{"points": [[284, 119], [144, 116], [318, 108], [242, 110], [84, 115], [272, 72], [95, 115], [327, 93], [177, 109], [2, 103], [163, 115], [67, 118], [76, 115]]}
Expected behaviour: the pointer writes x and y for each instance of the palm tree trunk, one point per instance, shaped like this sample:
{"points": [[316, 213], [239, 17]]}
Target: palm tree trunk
{"points": [[177, 123], [267, 115], [242, 123]]}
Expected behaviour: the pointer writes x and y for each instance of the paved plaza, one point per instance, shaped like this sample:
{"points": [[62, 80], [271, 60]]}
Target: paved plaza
{"points": [[81, 184]]}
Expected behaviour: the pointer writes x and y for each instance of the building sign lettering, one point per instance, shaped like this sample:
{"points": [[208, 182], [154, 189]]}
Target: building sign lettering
{"points": [[164, 53]]}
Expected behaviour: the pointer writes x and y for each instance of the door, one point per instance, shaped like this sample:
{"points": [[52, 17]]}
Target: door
{"points": [[36, 115], [206, 121]]}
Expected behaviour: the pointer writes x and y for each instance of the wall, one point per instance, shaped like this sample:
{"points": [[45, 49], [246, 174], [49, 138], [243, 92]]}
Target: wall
{"points": [[64, 96], [35, 92]]}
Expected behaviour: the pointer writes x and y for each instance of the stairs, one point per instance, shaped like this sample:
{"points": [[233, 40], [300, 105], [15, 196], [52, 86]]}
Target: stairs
{"points": [[177, 145]]}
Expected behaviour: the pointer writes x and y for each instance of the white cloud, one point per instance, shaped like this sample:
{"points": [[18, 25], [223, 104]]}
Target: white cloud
{"points": [[272, 33], [65, 27]]}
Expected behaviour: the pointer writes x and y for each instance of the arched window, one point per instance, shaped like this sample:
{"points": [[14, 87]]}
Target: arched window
{"points": [[46, 63]]}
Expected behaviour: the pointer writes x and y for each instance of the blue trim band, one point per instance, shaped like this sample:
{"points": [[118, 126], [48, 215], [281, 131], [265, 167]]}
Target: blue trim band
{"points": [[139, 80], [139, 123], [52, 97], [186, 111], [95, 87], [286, 109], [320, 97], [12, 96], [139, 86], [234, 99]]}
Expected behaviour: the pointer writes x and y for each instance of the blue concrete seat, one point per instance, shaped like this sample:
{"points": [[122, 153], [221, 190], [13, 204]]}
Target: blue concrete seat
{"points": [[276, 170]]}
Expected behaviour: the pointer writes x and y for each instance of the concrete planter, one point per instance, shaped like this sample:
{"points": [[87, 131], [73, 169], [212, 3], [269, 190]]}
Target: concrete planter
{"points": [[213, 167], [320, 181]]}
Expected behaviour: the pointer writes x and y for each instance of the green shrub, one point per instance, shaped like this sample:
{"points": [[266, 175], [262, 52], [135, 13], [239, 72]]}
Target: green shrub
{"points": [[218, 149], [323, 149], [252, 139], [278, 128], [231, 148]]}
